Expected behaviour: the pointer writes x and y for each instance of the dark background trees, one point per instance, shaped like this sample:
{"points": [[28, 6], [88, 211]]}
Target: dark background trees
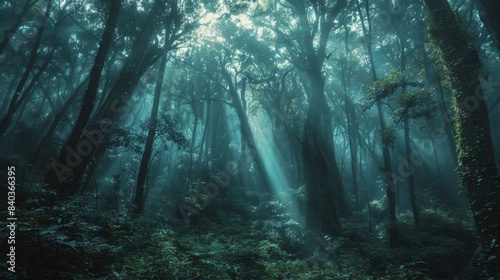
{"points": [[236, 139]]}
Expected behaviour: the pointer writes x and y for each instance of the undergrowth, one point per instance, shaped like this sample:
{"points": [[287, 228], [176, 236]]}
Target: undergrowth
{"points": [[80, 239]]}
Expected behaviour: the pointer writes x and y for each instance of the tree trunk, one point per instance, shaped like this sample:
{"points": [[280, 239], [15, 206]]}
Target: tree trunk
{"points": [[387, 168], [324, 184], [411, 172], [116, 107], [411, 167], [321, 206], [193, 142], [140, 189], [73, 144], [447, 119], [478, 172], [246, 132], [7, 119], [352, 129], [205, 132], [389, 180]]}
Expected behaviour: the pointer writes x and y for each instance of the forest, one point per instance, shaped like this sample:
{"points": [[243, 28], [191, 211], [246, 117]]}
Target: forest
{"points": [[250, 139]]}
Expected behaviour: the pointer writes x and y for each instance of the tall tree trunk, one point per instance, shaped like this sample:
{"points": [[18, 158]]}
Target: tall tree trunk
{"points": [[352, 130], [411, 172], [336, 185], [191, 152], [321, 205], [140, 189], [353, 146], [7, 119], [478, 172], [246, 132], [389, 180], [389, 177], [324, 184], [73, 147], [205, 131], [116, 107], [437, 161], [447, 119], [406, 120]]}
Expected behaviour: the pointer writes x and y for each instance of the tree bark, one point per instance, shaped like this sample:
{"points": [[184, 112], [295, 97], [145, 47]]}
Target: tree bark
{"points": [[411, 168], [321, 172], [351, 120], [89, 97], [406, 120], [478, 172], [116, 107], [140, 189], [205, 130], [7, 119], [246, 132], [387, 168]]}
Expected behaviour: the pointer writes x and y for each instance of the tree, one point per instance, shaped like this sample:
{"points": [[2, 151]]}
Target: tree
{"points": [[115, 107], [246, 133], [7, 119], [321, 172], [140, 189], [387, 168], [89, 96], [478, 172]]}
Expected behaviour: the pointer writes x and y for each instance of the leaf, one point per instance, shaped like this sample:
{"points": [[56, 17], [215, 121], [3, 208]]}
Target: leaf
{"points": [[71, 244]]}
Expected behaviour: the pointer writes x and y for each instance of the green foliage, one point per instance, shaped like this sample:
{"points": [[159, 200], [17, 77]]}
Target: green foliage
{"points": [[74, 229], [411, 270], [166, 131], [197, 196], [384, 88], [387, 136], [414, 105], [261, 241]]}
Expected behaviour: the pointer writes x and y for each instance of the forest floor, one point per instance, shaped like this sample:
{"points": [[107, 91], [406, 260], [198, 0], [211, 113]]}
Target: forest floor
{"points": [[238, 238]]}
